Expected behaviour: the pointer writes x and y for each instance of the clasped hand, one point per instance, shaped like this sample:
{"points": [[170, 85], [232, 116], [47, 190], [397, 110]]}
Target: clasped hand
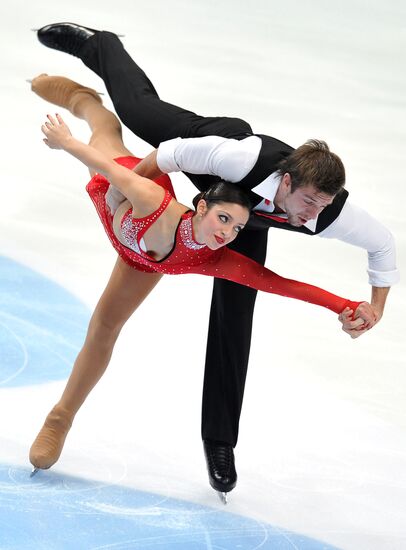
{"points": [[56, 132], [356, 324]]}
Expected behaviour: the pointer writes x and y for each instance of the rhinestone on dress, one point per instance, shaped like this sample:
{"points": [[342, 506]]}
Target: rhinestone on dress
{"points": [[186, 233], [129, 232], [132, 229]]}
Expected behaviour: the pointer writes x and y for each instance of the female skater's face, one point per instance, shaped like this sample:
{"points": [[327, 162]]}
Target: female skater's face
{"points": [[219, 225]]}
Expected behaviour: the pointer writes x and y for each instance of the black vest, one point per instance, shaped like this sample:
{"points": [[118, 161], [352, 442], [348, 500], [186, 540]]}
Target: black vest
{"points": [[271, 153]]}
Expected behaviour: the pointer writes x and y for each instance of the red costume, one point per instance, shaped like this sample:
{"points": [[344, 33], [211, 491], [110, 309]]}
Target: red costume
{"points": [[188, 256]]}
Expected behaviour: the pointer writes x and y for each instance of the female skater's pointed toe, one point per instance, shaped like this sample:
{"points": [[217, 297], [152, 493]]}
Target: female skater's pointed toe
{"points": [[48, 444], [62, 91]]}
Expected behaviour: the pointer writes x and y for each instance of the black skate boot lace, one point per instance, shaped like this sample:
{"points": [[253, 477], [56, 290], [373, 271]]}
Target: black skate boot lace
{"points": [[221, 459], [70, 43]]}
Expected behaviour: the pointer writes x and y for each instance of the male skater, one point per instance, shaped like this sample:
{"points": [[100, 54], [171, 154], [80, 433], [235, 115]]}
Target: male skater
{"points": [[298, 190]]}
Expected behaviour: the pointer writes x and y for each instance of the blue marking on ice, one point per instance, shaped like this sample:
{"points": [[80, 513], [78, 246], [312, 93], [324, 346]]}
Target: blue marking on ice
{"points": [[54, 511], [42, 327]]}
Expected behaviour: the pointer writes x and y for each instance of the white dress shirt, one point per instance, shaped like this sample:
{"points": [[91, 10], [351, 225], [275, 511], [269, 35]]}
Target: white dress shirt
{"points": [[232, 160]]}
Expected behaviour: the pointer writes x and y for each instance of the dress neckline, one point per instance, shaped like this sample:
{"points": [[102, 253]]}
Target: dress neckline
{"points": [[187, 233]]}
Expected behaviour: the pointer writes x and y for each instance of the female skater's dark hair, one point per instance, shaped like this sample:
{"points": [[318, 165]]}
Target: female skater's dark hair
{"points": [[223, 191]]}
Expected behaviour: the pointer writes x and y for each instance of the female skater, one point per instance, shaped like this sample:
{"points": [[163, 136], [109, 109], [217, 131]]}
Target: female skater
{"points": [[153, 234]]}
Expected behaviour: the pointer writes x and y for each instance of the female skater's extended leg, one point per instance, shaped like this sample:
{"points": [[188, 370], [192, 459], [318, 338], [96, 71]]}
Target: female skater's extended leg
{"points": [[125, 291], [86, 104]]}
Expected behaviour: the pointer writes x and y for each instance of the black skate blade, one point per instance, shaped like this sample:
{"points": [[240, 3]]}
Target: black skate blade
{"points": [[33, 472]]}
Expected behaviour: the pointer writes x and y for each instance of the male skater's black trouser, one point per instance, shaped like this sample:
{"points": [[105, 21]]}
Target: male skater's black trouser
{"points": [[140, 109]]}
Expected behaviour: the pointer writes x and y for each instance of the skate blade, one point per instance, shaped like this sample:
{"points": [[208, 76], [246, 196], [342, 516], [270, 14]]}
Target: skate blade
{"points": [[222, 497], [33, 472], [119, 35]]}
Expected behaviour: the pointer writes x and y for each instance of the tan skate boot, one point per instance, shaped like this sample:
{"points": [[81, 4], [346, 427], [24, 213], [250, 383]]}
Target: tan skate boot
{"points": [[48, 444], [62, 91]]}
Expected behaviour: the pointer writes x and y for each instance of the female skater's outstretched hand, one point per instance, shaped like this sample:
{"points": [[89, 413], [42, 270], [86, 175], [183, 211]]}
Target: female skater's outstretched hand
{"points": [[356, 324], [57, 133]]}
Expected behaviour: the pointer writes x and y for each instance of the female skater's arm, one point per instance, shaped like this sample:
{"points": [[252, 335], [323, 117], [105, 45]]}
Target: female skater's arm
{"points": [[235, 267], [135, 188]]}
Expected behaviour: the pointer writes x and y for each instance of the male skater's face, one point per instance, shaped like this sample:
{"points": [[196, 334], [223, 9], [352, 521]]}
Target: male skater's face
{"points": [[304, 204]]}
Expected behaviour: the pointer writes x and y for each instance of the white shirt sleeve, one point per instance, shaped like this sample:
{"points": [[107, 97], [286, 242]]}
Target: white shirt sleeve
{"points": [[230, 159], [355, 226]]}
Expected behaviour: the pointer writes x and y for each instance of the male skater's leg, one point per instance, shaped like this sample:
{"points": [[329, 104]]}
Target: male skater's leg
{"points": [[228, 348], [133, 94]]}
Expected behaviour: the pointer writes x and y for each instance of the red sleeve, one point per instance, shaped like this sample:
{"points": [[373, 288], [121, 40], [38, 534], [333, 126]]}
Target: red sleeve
{"points": [[235, 267]]}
